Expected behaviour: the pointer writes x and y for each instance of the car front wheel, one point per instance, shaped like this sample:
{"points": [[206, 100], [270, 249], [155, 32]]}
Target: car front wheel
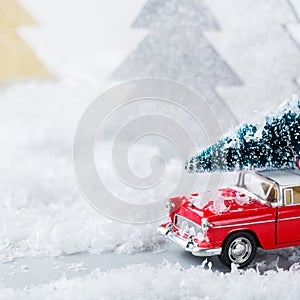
{"points": [[239, 248]]}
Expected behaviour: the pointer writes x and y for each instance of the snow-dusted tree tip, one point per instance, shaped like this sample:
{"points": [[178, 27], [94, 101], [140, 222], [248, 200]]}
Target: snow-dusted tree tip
{"points": [[273, 144]]}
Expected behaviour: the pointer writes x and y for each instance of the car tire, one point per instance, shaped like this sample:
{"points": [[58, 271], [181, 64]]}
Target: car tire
{"points": [[239, 248]]}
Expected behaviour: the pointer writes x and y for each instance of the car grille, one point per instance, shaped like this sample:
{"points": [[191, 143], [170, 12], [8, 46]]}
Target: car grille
{"points": [[186, 226]]}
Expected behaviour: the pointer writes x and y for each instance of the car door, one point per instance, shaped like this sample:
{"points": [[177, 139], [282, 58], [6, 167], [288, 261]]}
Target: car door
{"points": [[288, 217]]}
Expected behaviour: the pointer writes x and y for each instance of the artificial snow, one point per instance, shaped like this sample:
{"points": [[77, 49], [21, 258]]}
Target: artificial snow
{"points": [[168, 281], [42, 211], [218, 205], [241, 149], [242, 199]]}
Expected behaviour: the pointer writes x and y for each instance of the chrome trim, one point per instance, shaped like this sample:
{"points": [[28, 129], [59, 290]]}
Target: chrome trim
{"points": [[243, 224], [290, 188], [240, 250], [292, 205], [177, 215], [290, 185], [287, 219], [205, 224], [188, 244]]}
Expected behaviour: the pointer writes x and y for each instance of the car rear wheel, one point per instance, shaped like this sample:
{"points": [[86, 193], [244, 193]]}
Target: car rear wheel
{"points": [[239, 248]]}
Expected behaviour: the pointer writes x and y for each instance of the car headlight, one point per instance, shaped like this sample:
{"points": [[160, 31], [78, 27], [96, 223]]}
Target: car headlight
{"points": [[205, 224]]}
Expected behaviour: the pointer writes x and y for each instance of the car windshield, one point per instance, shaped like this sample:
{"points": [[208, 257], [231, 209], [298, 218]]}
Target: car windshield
{"points": [[260, 187]]}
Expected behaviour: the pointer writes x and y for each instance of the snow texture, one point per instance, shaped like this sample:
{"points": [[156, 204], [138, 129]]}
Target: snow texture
{"points": [[168, 281], [42, 211], [273, 144]]}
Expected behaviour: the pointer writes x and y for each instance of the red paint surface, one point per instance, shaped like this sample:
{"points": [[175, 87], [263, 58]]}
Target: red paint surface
{"points": [[276, 233]]}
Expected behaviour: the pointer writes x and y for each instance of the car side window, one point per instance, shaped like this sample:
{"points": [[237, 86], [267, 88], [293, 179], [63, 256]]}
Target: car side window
{"points": [[272, 197], [292, 195], [296, 194], [288, 196]]}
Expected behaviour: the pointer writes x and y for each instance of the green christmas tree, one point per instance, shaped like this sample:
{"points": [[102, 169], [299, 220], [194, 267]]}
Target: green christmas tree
{"points": [[274, 144]]}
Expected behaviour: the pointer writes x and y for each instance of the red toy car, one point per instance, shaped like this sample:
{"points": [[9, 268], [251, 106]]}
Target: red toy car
{"points": [[262, 210]]}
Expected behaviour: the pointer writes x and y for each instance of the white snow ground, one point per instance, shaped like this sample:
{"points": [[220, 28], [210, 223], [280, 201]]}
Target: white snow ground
{"points": [[42, 211], [168, 281]]}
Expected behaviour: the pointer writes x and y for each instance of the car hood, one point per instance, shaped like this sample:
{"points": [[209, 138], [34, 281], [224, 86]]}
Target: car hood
{"points": [[228, 204]]}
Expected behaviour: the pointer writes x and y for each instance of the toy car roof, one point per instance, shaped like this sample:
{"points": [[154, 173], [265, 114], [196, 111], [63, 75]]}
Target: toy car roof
{"points": [[288, 177]]}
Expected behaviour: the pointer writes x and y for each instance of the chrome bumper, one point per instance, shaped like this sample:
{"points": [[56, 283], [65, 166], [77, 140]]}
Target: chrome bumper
{"points": [[188, 245]]}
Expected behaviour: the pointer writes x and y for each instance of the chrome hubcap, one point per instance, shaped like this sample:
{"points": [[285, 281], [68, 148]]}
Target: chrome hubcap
{"points": [[240, 250]]}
